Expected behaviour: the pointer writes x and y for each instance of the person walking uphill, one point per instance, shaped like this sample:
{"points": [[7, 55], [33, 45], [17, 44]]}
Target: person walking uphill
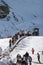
{"points": [[38, 56]]}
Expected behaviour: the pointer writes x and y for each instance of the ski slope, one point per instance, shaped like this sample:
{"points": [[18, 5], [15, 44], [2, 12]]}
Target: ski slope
{"points": [[26, 45], [29, 14]]}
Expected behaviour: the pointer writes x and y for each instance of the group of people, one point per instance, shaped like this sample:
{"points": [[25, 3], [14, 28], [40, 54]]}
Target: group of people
{"points": [[13, 40], [25, 60], [17, 36]]}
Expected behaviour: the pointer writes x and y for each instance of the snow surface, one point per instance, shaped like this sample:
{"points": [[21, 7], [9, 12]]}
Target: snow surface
{"points": [[24, 45], [4, 43], [29, 14]]}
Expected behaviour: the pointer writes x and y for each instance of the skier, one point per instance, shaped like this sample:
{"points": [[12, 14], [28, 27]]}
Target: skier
{"points": [[38, 56]]}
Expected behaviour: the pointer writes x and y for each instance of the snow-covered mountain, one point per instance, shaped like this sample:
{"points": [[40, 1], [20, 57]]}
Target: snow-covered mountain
{"points": [[24, 15]]}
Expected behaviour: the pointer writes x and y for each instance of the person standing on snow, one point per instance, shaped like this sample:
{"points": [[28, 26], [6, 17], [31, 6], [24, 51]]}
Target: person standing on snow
{"points": [[16, 36], [10, 43], [19, 59], [13, 40], [33, 50], [38, 56], [26, 56]]}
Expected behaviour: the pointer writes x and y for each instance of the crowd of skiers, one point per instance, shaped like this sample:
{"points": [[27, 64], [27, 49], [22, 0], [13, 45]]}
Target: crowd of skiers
{"points": [[17, 36]]}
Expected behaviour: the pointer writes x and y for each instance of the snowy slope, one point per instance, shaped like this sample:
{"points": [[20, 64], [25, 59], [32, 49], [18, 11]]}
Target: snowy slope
{"points": [[26, 45], [4, 43], [29, 14]]}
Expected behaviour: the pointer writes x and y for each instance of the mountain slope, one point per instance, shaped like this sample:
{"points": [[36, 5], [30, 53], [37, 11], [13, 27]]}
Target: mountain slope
{"points": [[24, 14]]}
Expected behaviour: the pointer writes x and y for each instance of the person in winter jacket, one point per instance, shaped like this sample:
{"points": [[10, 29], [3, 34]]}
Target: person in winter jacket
{"points": [[16, 36], [26, 56], [38, 56], [19, 60], [10, 43], [33, 50], [13, 40], [18, 57]]}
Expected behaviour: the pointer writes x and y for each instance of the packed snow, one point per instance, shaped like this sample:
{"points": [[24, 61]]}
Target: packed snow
{"points": [[26, 45], [4, 43]]}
